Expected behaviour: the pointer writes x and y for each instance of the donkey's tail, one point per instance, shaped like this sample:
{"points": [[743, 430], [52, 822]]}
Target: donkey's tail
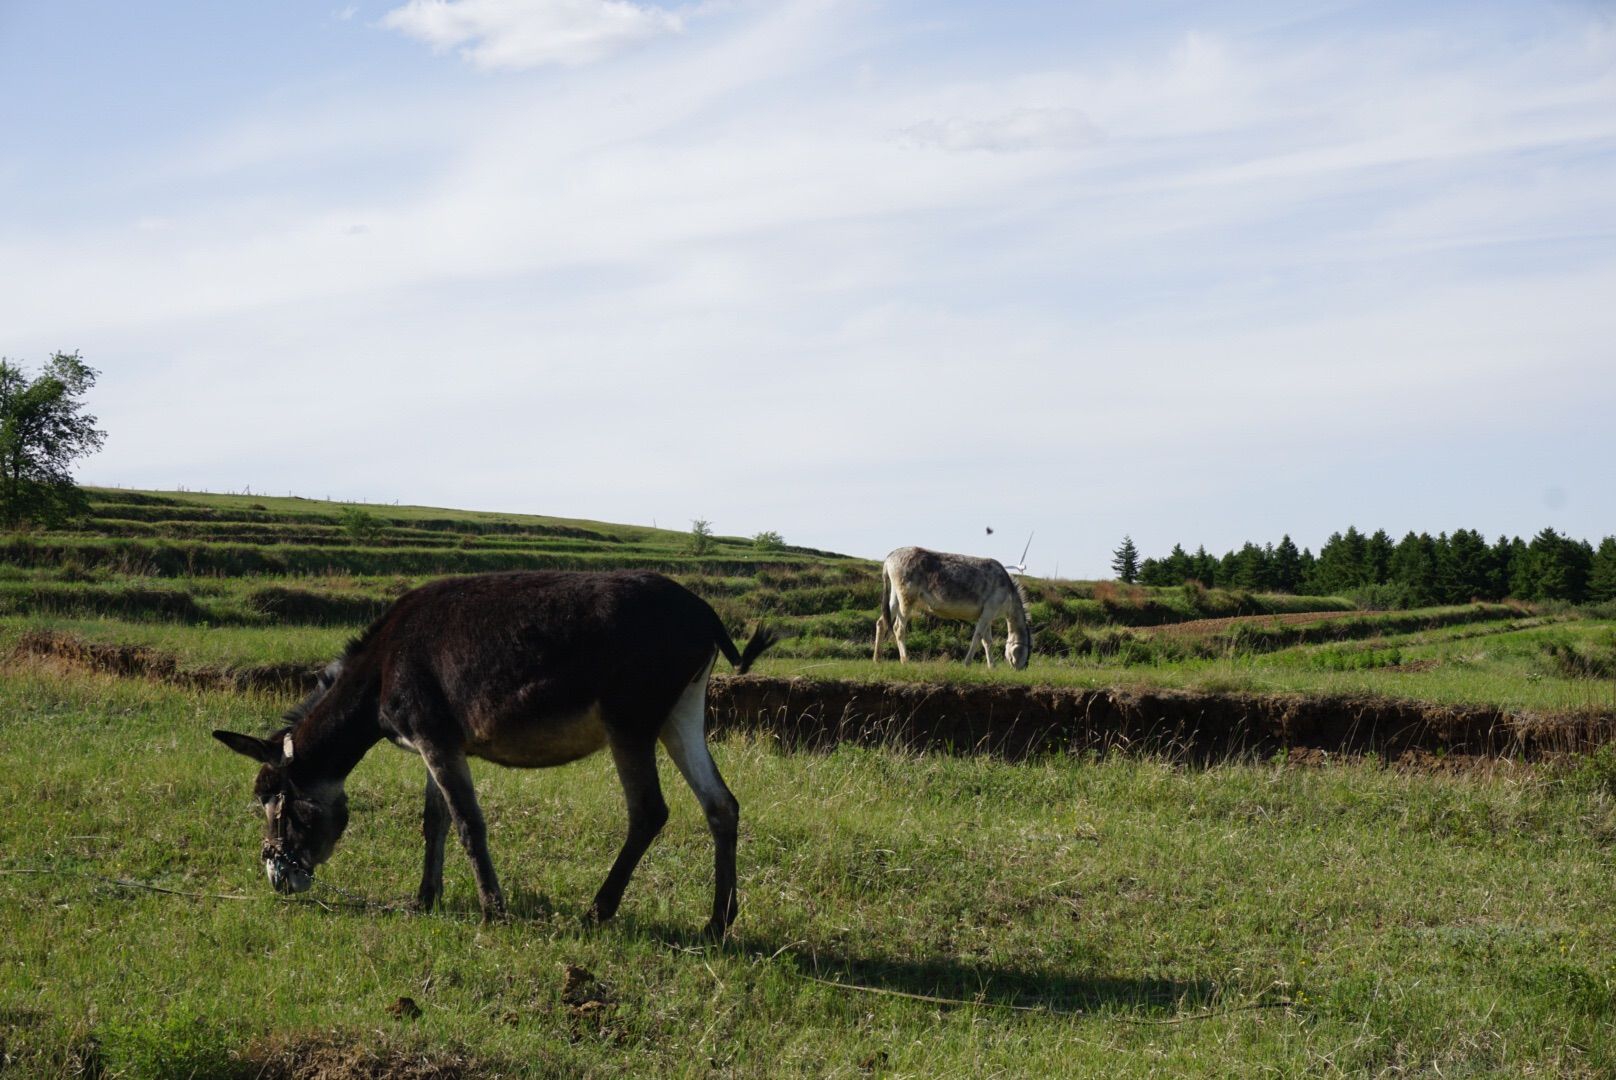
{"points": [[886, 596], [762, 638]]}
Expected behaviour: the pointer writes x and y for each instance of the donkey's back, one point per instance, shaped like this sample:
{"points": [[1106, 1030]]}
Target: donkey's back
{"points": [[948, 585], [511, 652]]}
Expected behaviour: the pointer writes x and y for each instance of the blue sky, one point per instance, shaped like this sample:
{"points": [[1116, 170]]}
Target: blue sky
{"points": [[866, 274]]}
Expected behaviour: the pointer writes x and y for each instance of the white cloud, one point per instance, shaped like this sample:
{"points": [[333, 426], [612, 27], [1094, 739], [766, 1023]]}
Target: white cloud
{"points": [[497, 35], [1022, 129]]}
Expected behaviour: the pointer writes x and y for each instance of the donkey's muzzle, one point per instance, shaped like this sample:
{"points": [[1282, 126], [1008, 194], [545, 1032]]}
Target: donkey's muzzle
{"points": [[285, 875]]}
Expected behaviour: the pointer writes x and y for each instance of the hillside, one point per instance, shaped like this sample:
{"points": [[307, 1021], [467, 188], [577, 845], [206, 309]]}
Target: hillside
{"points": [[245, 561], [239, 591]]}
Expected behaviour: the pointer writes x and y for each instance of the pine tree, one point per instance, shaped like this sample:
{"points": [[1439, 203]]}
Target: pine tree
{"points": [[1306, 567], [1179, 567], [1341, 562], [1248, 567], [1205, 567], [1555, 568], [1414, 567], [1377, 559], [1287, 565], [1602, 572], [1125, 561], [1465, 568], [1508, 554]]}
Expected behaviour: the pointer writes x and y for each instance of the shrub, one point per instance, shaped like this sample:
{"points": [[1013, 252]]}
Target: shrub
{"points": [[360, 524], [701, 536], [1390, 596], [768, 540]]}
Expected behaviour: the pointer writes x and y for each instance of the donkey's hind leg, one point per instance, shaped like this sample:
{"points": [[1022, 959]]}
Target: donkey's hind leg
{"points": [[647, 813], [434, 829], [900, 630], [982, 636], [685, 739]]}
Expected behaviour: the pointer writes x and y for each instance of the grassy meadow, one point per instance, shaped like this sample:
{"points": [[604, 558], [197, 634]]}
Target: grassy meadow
{"points": [[902, 914], [1112, 918]]}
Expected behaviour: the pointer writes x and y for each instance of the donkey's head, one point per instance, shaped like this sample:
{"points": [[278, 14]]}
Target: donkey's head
{"points": [[1017, 648], [1018, 642], [302, 822]]}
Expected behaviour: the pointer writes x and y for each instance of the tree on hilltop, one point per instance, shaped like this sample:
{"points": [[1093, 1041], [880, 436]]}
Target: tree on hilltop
{"points": [[1287, 565], [1602, 573], [42, 430], [1125, 561]]}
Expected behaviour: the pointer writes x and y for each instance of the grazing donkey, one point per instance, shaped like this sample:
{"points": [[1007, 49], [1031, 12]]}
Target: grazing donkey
{"points": [[523, 669], [914, 580]]}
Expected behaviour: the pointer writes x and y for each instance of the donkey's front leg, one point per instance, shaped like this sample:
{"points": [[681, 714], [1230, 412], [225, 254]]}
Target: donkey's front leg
{"points": [[434, 828], [452, 776]]}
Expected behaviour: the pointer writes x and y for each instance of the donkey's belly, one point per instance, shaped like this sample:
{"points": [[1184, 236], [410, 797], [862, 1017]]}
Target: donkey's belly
{"points": [[535, 742], [963, 610]]}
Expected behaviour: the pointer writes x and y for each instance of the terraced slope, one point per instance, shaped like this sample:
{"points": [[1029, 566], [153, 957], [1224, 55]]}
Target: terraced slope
{"points": [[194, 559]]}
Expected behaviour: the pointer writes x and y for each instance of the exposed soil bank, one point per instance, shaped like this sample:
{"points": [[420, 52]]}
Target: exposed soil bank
{"points": [[1016, 721], [141, 661]]}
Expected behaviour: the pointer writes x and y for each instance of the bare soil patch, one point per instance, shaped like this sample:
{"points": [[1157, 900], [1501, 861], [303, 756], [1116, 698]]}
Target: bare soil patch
{"points": [[1021, 721], [331, 1057]]}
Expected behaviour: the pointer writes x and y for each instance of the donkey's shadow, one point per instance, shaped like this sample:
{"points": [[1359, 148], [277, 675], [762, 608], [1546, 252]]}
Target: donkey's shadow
{"points": [[945, 981], [939, 981]]}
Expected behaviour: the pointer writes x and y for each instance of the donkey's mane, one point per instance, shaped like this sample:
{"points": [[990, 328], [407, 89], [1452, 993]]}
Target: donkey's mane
{"points": [[328, 677], [361, 639], [1021, 601]]}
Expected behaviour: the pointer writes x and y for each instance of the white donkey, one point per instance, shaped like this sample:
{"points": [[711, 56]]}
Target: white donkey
{"points": [[914, 580]]}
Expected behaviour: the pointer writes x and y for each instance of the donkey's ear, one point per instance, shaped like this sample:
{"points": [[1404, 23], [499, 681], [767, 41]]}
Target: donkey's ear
{"points": [[265, 750]]}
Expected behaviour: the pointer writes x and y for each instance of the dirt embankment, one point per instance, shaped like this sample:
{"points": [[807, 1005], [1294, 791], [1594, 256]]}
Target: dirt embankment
{"points": [[1015, 721], [141, 661], [1019, 721]]}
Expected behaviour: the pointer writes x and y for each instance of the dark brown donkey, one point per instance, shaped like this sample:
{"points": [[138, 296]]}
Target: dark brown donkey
{"points": [[527, 670]]}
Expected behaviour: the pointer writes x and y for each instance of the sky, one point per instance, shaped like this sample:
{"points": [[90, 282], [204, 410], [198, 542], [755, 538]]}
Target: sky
{"points": [[865, 274]]}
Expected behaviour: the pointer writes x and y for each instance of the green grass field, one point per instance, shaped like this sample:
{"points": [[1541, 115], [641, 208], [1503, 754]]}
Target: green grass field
{"points": [[1115, 918], [902, 914]]}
